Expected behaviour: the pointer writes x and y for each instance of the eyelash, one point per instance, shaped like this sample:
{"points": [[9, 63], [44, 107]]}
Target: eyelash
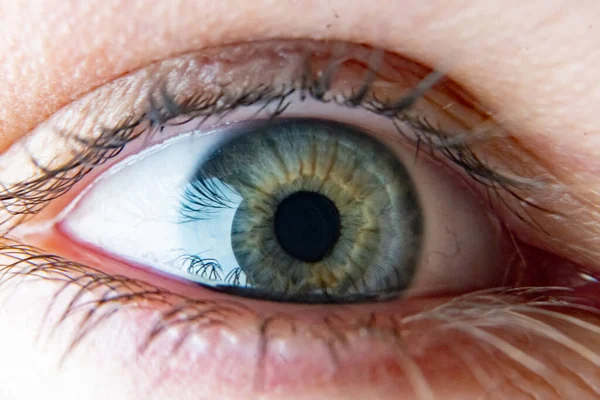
{"points": [[163, 109], [112, 293]]}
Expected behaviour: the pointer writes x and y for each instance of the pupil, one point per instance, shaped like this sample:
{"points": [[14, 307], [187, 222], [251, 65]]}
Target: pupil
{"points": [[307, 225]]}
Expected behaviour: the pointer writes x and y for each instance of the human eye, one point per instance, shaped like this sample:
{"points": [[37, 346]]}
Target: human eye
{"points": [[381, 237], [119, 209], [292, 208]]}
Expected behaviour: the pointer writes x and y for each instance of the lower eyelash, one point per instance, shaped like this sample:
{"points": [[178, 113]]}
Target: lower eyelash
{"points": [[485, 317]]}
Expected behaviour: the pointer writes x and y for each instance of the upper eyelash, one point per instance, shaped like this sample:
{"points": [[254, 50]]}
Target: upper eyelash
{"points": [[30, 196]]}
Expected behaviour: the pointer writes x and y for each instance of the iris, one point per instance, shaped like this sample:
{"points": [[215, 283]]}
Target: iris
{"points": [[321, 208]]}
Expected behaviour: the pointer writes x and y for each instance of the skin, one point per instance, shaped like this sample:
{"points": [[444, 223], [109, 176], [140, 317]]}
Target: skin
{"points": [[535, 65]]}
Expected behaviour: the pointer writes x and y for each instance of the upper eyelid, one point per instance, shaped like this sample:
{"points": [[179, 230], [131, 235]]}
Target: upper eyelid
{"points": [[23, 195]]}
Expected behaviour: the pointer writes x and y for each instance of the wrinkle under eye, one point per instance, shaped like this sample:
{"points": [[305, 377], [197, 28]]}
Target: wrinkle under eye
{"points": [[347, 351]]}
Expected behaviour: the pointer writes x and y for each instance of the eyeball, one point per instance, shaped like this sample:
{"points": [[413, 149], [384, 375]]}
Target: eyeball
{"points": [[293, 210]]}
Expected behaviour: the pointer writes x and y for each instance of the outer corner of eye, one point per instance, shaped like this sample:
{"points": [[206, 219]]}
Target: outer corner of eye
{"points": [[291, 210]]}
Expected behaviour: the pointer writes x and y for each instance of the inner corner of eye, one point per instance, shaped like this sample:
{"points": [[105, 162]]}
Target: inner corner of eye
{"points": [[290, 210]]}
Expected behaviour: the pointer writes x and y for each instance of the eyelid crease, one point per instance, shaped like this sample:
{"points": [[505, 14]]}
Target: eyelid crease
{"points": [[169, 96]]}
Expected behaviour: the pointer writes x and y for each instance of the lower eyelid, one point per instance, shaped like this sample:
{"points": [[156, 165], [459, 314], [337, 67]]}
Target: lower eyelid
{"points": [[214, 341]]}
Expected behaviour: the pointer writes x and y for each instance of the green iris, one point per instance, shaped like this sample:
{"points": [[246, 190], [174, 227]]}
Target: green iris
{"points": [[325, 210]]}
